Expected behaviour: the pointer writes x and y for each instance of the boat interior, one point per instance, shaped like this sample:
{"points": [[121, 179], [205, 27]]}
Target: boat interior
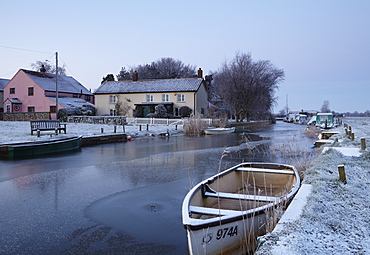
{"points": [[241, 189]]}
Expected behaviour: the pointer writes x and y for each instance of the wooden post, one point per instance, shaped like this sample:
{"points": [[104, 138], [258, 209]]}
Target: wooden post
{"points": [[147, 127], [115, 129], [56, 131], [139, 127], [363, 143], [346, 131], [342, 174], [38, 132], [123, 129], [352, 136], [102, 130]]}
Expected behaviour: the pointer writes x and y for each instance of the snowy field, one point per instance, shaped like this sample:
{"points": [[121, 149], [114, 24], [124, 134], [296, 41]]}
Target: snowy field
{"points": [[336, 218], [20, 131]]}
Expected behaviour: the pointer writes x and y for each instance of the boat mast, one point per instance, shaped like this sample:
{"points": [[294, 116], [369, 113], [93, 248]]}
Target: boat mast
{"points": [[56, 83]]}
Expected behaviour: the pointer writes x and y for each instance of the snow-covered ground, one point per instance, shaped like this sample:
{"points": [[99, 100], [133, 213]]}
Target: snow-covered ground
{"points": [[336, 218], [20, 131]]}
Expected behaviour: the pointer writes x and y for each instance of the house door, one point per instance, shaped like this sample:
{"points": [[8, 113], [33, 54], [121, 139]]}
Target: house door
{"points": [[146, 111]]}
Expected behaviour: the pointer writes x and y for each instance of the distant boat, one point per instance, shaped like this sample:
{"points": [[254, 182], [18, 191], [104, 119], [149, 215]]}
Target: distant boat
{"points": [[38, 148], [227, 212], [218, 131]]}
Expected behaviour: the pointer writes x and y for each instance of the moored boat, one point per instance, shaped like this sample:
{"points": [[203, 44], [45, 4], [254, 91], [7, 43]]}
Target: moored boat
{"points": [[225, 214], [219, 130], [38, 148]]}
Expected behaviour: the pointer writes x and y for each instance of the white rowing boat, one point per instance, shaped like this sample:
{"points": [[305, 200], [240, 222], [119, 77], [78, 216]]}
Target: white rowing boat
{"points": [[218, 131], [225, 214]]}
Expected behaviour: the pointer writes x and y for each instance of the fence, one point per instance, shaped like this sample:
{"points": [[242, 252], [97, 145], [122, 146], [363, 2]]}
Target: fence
{"points": [[164, 122], [111, 120], [122, 120], [26, 116]]}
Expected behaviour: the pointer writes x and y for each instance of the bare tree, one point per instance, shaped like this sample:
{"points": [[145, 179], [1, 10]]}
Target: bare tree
{"points": [[247, 87], [164, 68], [325, 106], [122, 107], [47, 67]]}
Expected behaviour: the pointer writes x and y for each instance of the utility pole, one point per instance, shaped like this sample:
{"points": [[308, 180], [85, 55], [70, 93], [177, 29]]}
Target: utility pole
{"points": [[56, 83]]}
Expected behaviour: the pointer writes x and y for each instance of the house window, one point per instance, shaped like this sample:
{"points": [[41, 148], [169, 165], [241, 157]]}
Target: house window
{"points": [[180, 97], [30, 91], [165, 97], [8, 108], [31, 109], [87, 97], [12, 90], [176, 113], [53, 109], [112, 99], [149, 98], [113, 112]]}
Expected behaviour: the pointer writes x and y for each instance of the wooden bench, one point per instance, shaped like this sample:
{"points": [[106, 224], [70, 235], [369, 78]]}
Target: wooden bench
{"points": [[44, 125]]}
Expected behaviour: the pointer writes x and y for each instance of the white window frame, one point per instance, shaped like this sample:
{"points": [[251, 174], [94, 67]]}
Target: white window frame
{"points": [[149, 98], [165, 97], [112, 99], [176, 112], [8, 108], [181, 98]]}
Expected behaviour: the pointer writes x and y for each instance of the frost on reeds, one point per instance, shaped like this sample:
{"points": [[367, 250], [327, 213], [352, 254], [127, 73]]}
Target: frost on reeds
{"points": [[194, 125], [312, 131]]}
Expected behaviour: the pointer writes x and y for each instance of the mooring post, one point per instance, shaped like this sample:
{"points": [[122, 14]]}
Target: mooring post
{"points": [[352, 136], [139, 127], [342, 174], [38, 132], [56, 131], [123, 129], [147, 127], [115, 129], [102, 130], [363, 143]]}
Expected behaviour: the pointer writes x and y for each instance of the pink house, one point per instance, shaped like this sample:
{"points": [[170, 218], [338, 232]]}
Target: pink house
{"points": [[30, 91]]}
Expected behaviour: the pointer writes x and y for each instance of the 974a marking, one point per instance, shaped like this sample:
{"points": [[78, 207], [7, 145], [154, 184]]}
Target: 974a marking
{"points": [[226, 232]]}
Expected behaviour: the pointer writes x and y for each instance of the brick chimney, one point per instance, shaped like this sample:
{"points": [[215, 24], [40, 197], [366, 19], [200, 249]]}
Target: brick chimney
{"points": [[200, 73], [135, 76]]}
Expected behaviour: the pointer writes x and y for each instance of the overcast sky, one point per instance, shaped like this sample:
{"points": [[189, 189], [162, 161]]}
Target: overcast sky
{"points": [[323, 46]]}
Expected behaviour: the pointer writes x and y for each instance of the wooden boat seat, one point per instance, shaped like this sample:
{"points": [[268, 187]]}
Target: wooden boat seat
{"points": [[241, 196], [212, 211], [262, 170]]}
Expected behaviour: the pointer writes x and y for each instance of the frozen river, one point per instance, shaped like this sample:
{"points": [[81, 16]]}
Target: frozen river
{"points": [[121, 198]]}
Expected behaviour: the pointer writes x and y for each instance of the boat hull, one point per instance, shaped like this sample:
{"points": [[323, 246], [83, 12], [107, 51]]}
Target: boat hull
{"points": [[32, 149], [227, 212], [218, 131]]}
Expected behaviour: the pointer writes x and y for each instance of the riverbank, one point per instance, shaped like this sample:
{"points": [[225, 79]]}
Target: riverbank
{"points": [[335, 219], [20, 131]]}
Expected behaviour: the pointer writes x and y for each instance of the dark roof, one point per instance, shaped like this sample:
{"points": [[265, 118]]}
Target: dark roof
{"points": [[65, 83], [3, 82], [150, 86]]}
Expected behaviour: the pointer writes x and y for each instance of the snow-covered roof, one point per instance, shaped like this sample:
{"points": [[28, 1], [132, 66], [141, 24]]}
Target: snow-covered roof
{"points": [[14, 100], [150, 86], [65, 83], [71, 101], [3, 82]]}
